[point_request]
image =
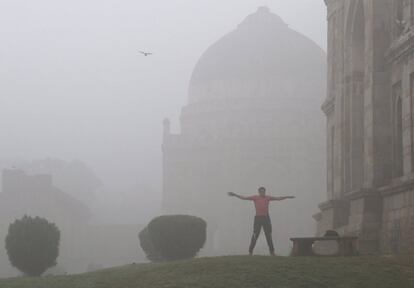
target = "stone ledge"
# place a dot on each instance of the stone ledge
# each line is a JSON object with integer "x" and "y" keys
{"x": 400, "y": 185}
{"x": 361, "y": 193}
{"x": 327, "y": 205}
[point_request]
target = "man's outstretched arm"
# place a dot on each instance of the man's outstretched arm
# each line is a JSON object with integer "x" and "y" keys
{"x": 232, "y": 194}
{"x": 281, "y": 198}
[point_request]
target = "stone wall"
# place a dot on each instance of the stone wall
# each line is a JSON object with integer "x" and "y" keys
{"x": 398, "y": 223}
{"x": 356, "y": 216}
{"x": 370, "y": 121}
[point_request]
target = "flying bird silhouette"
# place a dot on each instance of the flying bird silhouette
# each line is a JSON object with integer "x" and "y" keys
{"x": 145, "y": 53}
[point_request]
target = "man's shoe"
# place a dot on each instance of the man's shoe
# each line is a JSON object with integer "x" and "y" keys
{"x": 272, "y": 253}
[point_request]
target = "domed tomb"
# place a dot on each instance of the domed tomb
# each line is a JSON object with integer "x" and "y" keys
{"x": 263, "y": 57}
{"x": 263, "y": 65}
{"x": 253, "y": 119}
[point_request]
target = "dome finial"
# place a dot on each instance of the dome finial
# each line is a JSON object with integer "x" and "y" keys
{"x": 263, "y": 9}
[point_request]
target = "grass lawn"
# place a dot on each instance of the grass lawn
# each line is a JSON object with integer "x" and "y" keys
{"x": 239, "y": 272}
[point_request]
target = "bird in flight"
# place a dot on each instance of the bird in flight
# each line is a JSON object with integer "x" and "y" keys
{"x": 145, "y": 53}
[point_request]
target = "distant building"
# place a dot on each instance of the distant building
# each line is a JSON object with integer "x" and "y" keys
{"x": 370, "y": 129}
{"x": 253, "y": 119}
{"x": 82, "y": 244}
{"x": 35, "y": 195}
{"x": 74, "y": 177}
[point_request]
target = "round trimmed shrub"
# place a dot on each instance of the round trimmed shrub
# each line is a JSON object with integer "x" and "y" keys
{"x": 146, "y": 244}
{"x": 177, "y": 237}
{"x": 32, "y": 245}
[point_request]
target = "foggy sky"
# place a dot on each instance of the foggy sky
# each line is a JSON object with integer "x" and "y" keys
{"x": 73, "y": 86}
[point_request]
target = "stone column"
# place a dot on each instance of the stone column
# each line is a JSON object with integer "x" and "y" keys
{"x": 381, "y": 95}
{"x": 369, "y": 95}
{"x": 366, "y": 206}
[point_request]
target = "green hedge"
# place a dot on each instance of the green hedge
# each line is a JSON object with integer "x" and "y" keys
{"x": 173, "y": 237}
{"x": 146, "y": 245}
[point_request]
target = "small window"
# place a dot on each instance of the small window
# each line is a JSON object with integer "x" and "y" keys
{"x": 398, "y": 132}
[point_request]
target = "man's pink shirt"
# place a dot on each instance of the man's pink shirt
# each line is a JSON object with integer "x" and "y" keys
{"x": 261, "y": 204}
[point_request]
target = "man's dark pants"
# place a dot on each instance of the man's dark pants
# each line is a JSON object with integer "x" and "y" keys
{"x": 259, "y": 222}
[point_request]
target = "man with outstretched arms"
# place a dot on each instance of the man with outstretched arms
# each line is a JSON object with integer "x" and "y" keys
{"x": 262, "y": 219}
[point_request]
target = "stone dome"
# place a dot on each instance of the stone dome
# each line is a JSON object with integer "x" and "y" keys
{"x": 263, "y": 57}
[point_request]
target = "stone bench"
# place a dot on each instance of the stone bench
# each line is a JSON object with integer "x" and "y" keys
{"x": 347, "y": 246}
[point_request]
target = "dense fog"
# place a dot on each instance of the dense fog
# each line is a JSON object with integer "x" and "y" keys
{"x": 79, "y": 102}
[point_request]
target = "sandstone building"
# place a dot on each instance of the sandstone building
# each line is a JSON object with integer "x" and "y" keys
{"x": 370, "y": 123}
{"x": 253, "y": 119}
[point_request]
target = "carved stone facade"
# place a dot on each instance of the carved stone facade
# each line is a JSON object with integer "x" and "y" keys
{"x": 253, "y": 119}
{"x": 370, "y": 124}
